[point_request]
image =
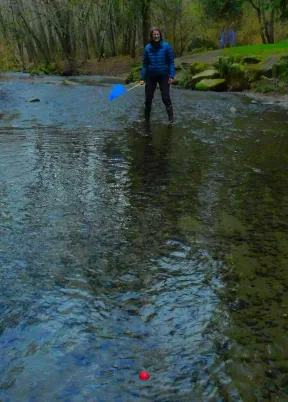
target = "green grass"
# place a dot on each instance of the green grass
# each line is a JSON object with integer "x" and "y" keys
{"x": 257, "y": 50}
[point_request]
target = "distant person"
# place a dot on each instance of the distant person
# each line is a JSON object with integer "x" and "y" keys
{"x": 232, "y": 38}
{"x": 222, "y": 40}
{"x": 158, "y": 67}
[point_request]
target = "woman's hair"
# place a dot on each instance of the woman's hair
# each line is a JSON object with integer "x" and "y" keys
{"x": 155, "y": 29}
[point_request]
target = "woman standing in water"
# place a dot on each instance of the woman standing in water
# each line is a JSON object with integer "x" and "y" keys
{"x": 158, "y": 67}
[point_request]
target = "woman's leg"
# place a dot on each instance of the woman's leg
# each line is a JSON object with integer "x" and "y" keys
{"x": 165, "y": 93}
{"x": 150, "y": 87}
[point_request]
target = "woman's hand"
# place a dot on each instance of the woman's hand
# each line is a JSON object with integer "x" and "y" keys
{"x": 142, "y": 82}
{"x": 170, "y": 81}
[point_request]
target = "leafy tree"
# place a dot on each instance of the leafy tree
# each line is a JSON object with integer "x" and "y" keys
{"x": 266, "y": 14}
{"x": 283, "y": 7}
{"x": 223, "y": 9}
{"x": 267, "y": 11}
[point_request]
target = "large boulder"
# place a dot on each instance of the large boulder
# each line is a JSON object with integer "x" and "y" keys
{"x": 279, "y": 68}
{"x": 216, "y": 84}
{"x": 257, "y": 71}
{"x": 264, "y": 85}
{"x": 269, "y": 82}
{"x": 207, "y": 74}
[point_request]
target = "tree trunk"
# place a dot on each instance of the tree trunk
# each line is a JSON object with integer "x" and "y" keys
{"x": 262, "y": 28}
{"x": 3, "y": 25}
{"x": 174, "y": 31}
{"x": 133, "y": 43}
{"x": 266, "y": 27}
{"x": 113, "y": 36}
{"x": 272, "y": 26}
{"x": 146, "y": 21}
{"x": 20, "y": 48}
{"x": 85, "y": 46}
{"x": 36, "y": 39}
{"x": 257, "y": 7}
{"x": 269, "y": 27}
{"x": 52, "y": 43}
{"x": 101, "y": 53}
{"x": 42, "y": 30}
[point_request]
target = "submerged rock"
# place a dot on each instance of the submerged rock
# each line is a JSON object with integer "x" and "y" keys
{"x": 69, "y": 83}
{"x": 34, "y": 100}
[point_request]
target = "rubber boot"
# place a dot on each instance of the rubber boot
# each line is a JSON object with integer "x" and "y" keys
{"x": 147, "y": 113}
{"x": 170, "y": 114}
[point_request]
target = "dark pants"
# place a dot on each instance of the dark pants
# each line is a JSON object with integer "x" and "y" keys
{"x": 150, "y": 87}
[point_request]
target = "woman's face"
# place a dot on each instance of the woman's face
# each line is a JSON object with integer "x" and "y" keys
{"x": 156, "y": 36}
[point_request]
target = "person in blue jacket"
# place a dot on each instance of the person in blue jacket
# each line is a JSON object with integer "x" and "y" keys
{"x": 158, "y": 67}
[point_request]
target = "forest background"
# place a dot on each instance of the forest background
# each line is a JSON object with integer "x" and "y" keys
{"x": 67, "y": 36}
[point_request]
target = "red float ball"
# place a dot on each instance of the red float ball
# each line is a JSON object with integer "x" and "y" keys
{"x": 144, "y": 376}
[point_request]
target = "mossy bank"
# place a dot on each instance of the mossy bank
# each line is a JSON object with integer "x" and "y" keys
{"x": 229, "y": 70}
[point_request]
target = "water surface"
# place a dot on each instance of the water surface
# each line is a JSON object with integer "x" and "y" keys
{"x": 124, "y": 250}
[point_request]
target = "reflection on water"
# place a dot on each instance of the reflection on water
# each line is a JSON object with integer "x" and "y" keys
{"x": 122, "y": 251}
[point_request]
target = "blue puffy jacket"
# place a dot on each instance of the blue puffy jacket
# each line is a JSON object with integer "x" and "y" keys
{"x": 158, "y": 60}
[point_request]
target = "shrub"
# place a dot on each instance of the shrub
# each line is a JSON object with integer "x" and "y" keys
{"x": 237, "y": 79}
{"x": 200, "y": 44}
{"x": 134, "y": 75}
{"x": 33, "y": 70}
{"x": 224, "y": 64}
{"x": 47, "y": 69}
{"x": 263, "y": 89}
{"x": 7, "y": 61}
{"x": 284, "y": 77}
{"x": 57, "y": 67}
{"x": 234, "y": 72}
{"x": 185, "y": 80}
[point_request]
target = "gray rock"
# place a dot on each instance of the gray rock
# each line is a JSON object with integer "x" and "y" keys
{"x": 69, "y": 83}
{"x": 256, "y": 72}
{"x": 267, "y": 82}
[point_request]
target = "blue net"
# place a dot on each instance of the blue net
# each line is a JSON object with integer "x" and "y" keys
{"x": 117, "y": 90}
